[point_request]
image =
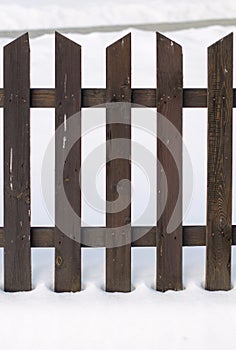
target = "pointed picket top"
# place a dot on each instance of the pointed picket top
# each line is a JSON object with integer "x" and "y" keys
{"x": 118, "y": 60}
{"x": 120, "y": 43}
{"x": 163, "y": 41}
{"x": 21, "y": 40}
{"x": 60, "y": 38}
{"x": 225, "y": 45}
{"x": 228, "y": 39}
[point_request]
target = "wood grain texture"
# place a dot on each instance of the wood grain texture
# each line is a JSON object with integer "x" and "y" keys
{"x": 17, "y": 252}
{"x": 193, "y": 236}
{"x": 68, "y": 102}
{"x": 45, "y": 98}
{"x": 219, "y": 176}
{"x": 169, "y": 104}
{"x": 118, "y": 82}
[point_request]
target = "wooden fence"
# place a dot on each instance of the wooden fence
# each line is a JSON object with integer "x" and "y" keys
{"x": 17, "y": 236}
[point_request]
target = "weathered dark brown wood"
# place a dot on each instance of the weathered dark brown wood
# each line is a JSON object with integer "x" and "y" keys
{"x": 17, "y": 252}
{"x": 45, "y": 98}
{"x": 192, "y": 98}
{"x": 93, "y": 97}
{"x": 193, "y": 236}
{"x": 195, "y": 98}
{"x": 169, "y": 104}
{"x": 42, "y": 237}
{"x": 68, "y": 102}
{"x": 118, "y": 82}
{"x": 143, "y": 97}
{"x": 219, "y": 176}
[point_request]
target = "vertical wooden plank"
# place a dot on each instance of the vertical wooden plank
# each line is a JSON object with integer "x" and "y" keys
{"x": 68, "y": 102}
{"x": 169, "y": 104}
{"x": 219, "y": 181}
{"x": 118, "y": 83}
{"x": 17, "y": 252}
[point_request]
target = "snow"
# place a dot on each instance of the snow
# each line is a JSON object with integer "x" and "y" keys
{"x": 144, "y": 318}
{"x": 93, "y": 319}
{"x": 28, "y": 14}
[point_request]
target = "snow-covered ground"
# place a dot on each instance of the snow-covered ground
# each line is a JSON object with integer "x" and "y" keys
{"x": 144, "y": 318}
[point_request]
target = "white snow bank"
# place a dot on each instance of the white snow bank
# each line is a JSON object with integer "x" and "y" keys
{"x": 28, "y": 14}
{"x": 143, "y": 319}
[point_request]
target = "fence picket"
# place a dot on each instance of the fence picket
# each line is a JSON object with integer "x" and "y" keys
{"x": 118, "y": 258}
{"x": 17, "y": 252}
{"x": 68, "y": 102}
{"x": 219, "y": 183}
{"x": 169, "y": 104}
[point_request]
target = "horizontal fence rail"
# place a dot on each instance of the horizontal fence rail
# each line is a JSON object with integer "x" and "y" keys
{"x": 17, "y": 237}
{"x": 46, "y": 98}
{"x": 193, "y": 236}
